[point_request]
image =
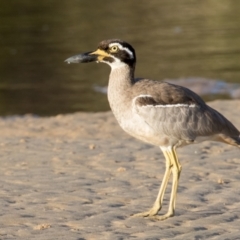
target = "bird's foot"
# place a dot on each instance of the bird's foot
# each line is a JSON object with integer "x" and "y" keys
{"x": 152, "y": 212}
{"x": 162, "y": 217}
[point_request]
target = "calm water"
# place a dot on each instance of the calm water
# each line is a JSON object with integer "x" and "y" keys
{"x": 172, "y": 38}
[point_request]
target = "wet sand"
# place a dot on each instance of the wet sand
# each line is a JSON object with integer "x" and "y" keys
{"x": 80, "y": 176}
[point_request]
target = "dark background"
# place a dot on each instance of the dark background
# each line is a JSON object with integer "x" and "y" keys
{"x": 173, "y": 39}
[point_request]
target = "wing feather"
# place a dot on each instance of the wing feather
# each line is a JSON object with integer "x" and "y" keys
{"x": 178, "y": 112}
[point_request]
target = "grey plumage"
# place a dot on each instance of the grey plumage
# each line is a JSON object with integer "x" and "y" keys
{"x": 159, "y": 113}
{"x": 194, "y": 119}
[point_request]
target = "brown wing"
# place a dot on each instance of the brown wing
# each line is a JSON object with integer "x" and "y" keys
{"x": 178, "y": 112}
{"x": 167, "y": 93}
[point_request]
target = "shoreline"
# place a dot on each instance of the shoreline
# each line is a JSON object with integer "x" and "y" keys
{"x": 79, "y": 176}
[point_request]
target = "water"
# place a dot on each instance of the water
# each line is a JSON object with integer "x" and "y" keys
{"x": 173, "y": 39}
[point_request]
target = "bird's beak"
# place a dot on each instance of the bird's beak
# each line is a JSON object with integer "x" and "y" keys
{"x": 82, "y": 58}
{"x": 95, "y": 56}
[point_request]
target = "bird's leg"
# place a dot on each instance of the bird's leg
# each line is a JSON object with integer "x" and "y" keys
{"x": 158, "y": 202}
{"x": 176, "y": 171}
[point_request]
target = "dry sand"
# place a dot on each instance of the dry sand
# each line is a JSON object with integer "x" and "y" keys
{"x": 80, "y": 176}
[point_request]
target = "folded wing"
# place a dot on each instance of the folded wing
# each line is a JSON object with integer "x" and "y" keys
{"x": 180, "y": 113}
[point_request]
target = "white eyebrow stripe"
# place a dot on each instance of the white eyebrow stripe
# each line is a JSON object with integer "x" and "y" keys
{"x": 122, "y": 48}
{"x": 161, "y": 105}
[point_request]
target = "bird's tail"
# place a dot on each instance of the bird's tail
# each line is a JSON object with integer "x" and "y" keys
{"x": 235, "y": 141}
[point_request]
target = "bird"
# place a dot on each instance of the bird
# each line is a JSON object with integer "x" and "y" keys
{"x": 159, "y": 113}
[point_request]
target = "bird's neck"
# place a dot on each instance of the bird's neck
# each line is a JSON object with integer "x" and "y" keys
{"x": 121, "y": 80}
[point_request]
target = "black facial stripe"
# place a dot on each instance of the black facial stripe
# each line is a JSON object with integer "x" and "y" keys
{"x": 125, "y": 57}
{"x": 104, "y": 45}
{"x": 108, "y": 59}
{"x": 122, "y": 54}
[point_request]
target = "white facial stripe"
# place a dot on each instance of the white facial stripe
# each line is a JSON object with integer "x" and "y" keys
{"x": 115, "y": 64}
{"x": 161, "y": 105}
{"x": 122, "y": 48}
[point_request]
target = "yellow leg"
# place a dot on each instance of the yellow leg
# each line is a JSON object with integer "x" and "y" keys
{"x": 176, "y": 171}
{"x": 172, "y": 165}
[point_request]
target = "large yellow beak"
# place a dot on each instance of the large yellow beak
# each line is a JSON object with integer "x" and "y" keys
{"x": 95, "y": 56}
{"x": 100, "y": 54}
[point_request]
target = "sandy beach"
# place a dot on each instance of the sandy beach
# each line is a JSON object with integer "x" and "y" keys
{"x": 79, "y": 176}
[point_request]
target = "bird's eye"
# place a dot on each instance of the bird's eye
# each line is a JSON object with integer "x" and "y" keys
{"x": 114, "y": 49}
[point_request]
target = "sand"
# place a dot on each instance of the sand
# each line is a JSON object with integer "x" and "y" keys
{"x": 79, "y": 176}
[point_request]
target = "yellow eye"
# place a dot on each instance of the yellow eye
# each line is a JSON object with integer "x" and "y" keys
{"x": 114, "y": 49}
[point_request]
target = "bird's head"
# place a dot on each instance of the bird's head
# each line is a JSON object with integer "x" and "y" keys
{"x": 114, "y": 52}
